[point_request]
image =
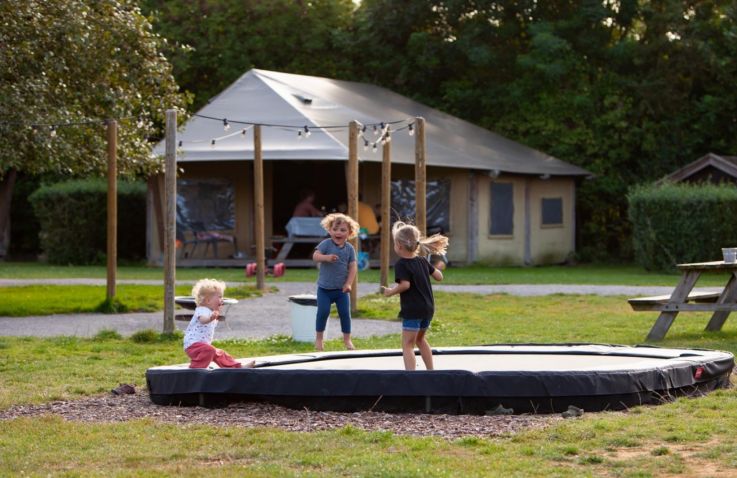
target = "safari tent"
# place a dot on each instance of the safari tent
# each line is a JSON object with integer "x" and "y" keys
{"x": 500, "y": 202}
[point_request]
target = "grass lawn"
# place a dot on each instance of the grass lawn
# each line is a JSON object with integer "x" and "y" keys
{"x": 690, "y": 437}
{"x": 476, "y": 274}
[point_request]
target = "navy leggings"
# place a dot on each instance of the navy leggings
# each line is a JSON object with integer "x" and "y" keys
{"x": 325, "y": 297}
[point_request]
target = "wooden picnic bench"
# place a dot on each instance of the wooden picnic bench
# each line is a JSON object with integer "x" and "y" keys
{"x": 684, "y": 299}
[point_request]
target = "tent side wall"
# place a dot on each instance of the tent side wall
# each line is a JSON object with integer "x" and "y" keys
{"x": 530, "y": 242}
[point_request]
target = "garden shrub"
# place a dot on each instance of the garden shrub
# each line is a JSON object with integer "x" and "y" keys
{"x": 681, "y": 223}
{"x": 73, "y": 218}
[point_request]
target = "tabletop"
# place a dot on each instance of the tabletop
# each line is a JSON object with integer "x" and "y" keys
{"x": 708, "y": 266}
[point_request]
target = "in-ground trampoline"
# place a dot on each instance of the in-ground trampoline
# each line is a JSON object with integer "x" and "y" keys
{"x": 527, "y": 378}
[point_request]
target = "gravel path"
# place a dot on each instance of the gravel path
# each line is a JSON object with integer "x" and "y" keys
{"x": 264, "y": 316}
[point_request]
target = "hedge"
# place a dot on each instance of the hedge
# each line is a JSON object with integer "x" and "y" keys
{"x": 681, "y": 223}
{"x": 73, "y": 218}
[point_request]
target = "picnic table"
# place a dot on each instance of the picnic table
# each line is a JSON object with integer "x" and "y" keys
{"x": 685, "y": 299}
{"x": 300, "y": 230}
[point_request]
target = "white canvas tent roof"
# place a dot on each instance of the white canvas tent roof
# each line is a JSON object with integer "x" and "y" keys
{"x": 272, "y": 98}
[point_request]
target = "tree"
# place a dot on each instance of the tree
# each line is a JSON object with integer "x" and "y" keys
{"x": 65, "y": 66}
{"x": 220, "y": 40}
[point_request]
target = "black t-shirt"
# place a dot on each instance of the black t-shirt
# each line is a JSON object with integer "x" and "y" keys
{"x": 417, "y": 302}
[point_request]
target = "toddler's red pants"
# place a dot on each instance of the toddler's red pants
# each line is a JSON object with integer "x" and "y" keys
{"x": 201, "y": 354}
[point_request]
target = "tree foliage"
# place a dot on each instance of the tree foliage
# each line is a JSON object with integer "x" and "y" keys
{"x": 215, "y": 41}
{"x": 79, "y": 61}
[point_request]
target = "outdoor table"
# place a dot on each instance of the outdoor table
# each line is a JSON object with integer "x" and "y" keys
{"x": 300, "y": 230}
{"x": 724, "y": 303}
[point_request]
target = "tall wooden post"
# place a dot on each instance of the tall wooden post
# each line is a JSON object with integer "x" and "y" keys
{"x": 352, "y": 187}
{"x": 170, "y": 224}
{"x": 420, "y": 177}
{"x": 258, "y": 200}
{"x": 112, "y": 206}
{"x": 386, "y": 221}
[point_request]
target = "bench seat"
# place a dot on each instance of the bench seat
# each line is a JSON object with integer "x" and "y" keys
{"x": 655, "y": 302}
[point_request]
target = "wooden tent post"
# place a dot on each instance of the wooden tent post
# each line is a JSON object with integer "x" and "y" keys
{"x": 352, "y": 187}
{"x": 258, "y": 200}
{"x": 420, "y": 177}
{"x": 386, "y": 224}
{"x": 170, "y": 224}
{"x": 112, "y": 207}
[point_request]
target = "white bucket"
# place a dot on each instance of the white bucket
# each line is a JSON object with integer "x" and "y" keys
{"x": 730, "y": 254}
{"x": 304, "y": 311}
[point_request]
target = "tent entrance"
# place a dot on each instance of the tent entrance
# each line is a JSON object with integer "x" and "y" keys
{"x": 292, "y": 178}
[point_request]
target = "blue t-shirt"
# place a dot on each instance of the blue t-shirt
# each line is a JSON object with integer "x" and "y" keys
{"x": 334, "y": 274}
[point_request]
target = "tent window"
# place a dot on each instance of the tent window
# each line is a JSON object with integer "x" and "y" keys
{"x": 438, "y": 203}
{"x": 206, "y": 204}
{"x": 502, "y": 209}
{"x": 552, "y": 211}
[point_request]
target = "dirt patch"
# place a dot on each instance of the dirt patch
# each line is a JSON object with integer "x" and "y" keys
{"x": 121, "y": 408}
{"x": 691, "y": 454}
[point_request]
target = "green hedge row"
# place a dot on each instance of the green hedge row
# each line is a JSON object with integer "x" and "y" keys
{"x": 681, "y": 223}
{"x": 73, "y": 218}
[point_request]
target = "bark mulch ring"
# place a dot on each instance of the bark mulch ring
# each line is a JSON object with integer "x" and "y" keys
{"x": 123, "y": 407}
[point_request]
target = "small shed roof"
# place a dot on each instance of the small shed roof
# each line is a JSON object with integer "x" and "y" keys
{"x": 725, "y": 165}
{"x": 273, "y": 98}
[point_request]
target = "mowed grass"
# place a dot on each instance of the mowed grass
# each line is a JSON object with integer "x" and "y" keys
{"x": 475, "y": 274}
{"x": 23, "y": 301}
{"x": 690, "y": 437}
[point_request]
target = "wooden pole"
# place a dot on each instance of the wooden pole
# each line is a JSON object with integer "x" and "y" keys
{"x": 170, "y": 224}
{"x": 420, "y": 177}
{"x": 386, "y": 221}
{"x": 112, "y": 206}
{"x": 258, "y": 200}
{"x": 352, "y": 187}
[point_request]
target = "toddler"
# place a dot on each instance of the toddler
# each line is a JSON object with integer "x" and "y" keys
{"x": 208, "y": 295}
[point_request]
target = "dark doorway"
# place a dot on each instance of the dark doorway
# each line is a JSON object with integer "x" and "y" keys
{"x": 325, "y": 178}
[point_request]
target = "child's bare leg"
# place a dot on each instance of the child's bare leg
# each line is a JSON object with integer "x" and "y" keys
{"x": 425, "y": 349}
{"x": 319, "y": 341}
{"x": 409, "y": 337}
{"x": 348, "y": 342}
{"x": 250, "y": 364}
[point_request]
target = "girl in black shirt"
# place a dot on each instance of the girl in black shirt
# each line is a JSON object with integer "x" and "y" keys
{"x": 412, "y": 274}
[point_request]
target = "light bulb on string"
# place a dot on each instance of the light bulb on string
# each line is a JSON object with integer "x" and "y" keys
{"x": 212, "y": 143}
{"x": 365, "y": 145}
{"x": 376, "y": 131}
{"x": 373, "y": 148}
{"x": 226, "y": 125}
{"x": 52, "y": 131}
{"x": 180, "y": 143}
{"x": 363, "y": 129}
{"x": 411, "y": 129}
{"x": 387, "y": 137}
{"x": 299, "y": 134}
{"x": 243, "y": 131}
{"x": 307, "y": 132}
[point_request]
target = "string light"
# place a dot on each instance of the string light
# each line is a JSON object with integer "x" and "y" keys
{"x": 180, "y": 143}
{"x": 376, "y": 131}
{"x": 212, "y": 144}
{"x": 307, "y": 132}
{"x": 243, "y": 131}
{"x": 299, "y": 134}
{"x": 365, "y": 144}
{"x": 52, "y": 131}
{"x": 226, "y": 125}
{"x": 373, "y": 148}
{"x": 411, "y": 129}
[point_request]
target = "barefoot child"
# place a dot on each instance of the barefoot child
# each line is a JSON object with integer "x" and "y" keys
{"x": 338, "y": 267}
{"x": 412, "y": 274}
{"x": 208, "y": 295}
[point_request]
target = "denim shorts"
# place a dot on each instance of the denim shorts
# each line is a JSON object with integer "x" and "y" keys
{"x": 415, "y": 325}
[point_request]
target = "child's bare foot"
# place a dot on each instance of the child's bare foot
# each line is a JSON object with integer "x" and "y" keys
{"x": 318, "y": 346}
{"x": 349, "y": 345}
{"x": 250, "y": 364}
